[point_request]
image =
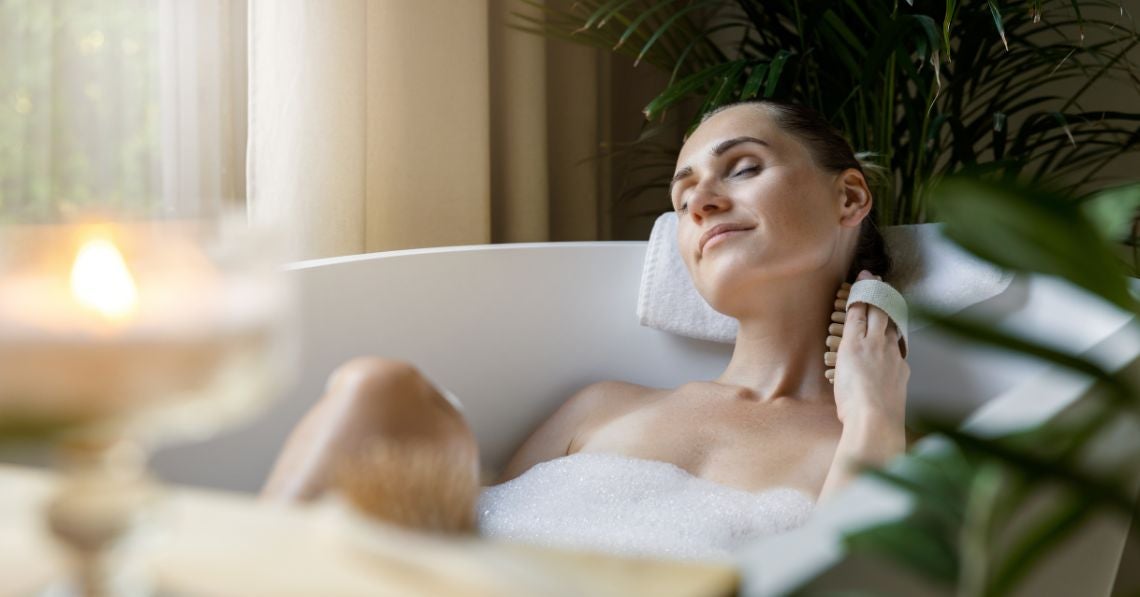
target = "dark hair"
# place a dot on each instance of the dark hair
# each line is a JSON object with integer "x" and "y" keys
{"x": 831, "y": 152}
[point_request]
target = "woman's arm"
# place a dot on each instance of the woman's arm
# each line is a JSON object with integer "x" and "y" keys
{"x": 866, "y": 440}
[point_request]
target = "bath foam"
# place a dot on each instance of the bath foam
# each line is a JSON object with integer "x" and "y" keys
{"x": 635, "y": 507}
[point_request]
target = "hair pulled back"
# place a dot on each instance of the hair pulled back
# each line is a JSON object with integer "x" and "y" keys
{"x": 831, "y": 152}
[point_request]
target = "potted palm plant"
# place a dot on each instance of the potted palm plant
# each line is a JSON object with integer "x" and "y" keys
{"x": 931, "y": 88}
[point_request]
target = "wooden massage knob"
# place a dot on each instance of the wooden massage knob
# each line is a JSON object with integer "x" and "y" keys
{"x": 835, "y": 331}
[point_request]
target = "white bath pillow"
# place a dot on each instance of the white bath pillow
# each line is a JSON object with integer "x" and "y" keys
{"x": 926, "y": 268}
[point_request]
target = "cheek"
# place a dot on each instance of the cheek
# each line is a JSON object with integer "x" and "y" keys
{"x": 803, "y": 230}
{"x": 686, "y": 246}
{"x": 811, "y": 215}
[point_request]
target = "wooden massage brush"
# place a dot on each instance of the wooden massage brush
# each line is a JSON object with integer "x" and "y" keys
{"x": 835, "y": 331}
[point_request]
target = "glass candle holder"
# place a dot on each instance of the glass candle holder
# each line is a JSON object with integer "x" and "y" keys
{"x": 116, "y": 336}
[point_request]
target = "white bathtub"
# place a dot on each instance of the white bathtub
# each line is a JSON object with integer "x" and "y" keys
{"x": 513, "y": 330}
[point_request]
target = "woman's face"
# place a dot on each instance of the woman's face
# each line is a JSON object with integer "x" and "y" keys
{"x": 753, "y": 207}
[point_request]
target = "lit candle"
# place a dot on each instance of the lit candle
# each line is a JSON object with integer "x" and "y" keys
{"x": 101, "y": 281}
{"x": 104, "y": 324}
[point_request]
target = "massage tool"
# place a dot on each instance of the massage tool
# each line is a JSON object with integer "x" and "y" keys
{"x": 835, "y": 331}
{"x": 872, "y": 291}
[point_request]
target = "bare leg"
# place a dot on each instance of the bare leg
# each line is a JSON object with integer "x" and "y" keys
{"x": 365, "y": 399}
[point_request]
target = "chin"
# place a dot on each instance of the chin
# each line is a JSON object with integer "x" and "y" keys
{"x": 728, "y": 280}
{"x": 721, "y": 281}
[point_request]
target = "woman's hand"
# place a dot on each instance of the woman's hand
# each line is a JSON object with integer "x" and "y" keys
{"x": 870, "y": 394}
{"x": 870, "y": 373}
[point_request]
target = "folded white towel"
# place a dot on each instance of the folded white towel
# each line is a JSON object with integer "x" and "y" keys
{"x": 927, "y": 270}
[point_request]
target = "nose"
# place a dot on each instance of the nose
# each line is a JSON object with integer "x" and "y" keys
{"x": 706, "y": 201}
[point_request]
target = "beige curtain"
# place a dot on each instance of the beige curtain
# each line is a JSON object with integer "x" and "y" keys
{"x": 387, "y": 124}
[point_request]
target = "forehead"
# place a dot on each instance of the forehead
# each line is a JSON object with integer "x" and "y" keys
{"x": 737, "y": 121}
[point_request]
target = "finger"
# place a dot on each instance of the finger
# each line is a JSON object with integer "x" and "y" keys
{"x": 894, "y": 336}
{"x": 886, "y": 317}
{"x": 854, "y": 321}
{"x": 833, "y": 342}
{"x": 877, "y": 320}
{"x": 835, "y": 329}
{"x": 829, "y": 358}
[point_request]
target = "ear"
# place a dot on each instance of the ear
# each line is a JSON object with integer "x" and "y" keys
{"x": 853, "y": 196}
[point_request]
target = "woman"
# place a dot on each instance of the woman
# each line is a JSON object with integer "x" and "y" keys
{"x": 773, "y": 216}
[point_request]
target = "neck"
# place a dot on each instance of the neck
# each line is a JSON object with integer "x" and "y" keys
{"x": 779, "y": 349}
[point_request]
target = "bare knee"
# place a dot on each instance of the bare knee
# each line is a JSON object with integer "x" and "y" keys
{"x": 375, "y": 376}
{"x": 389, "y": 396}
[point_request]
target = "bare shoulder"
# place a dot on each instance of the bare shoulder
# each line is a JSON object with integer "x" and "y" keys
{"x": 606, "y": 396}
{"x": 600, "y": 402}
{"x": 591, "y": 406}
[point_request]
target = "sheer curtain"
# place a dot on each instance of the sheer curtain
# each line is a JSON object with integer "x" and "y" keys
{"x": 203, "y": 77}
{"x": 387, "y": 124}
{"x": 121, "y": 104}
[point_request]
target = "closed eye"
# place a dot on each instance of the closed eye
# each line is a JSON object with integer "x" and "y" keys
{"x": 747, "y": 170}
{"x": 684, "y": 204}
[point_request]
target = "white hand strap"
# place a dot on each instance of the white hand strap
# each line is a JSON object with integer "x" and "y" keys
{"x": 885, "y": 297}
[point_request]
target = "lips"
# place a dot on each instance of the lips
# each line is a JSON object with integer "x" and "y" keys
{"x": 718, "y": 230}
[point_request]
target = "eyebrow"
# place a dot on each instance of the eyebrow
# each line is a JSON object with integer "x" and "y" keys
{"x": 717, "y": 151}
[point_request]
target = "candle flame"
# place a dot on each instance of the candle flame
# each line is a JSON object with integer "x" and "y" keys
{"x": 100, "y": 280}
